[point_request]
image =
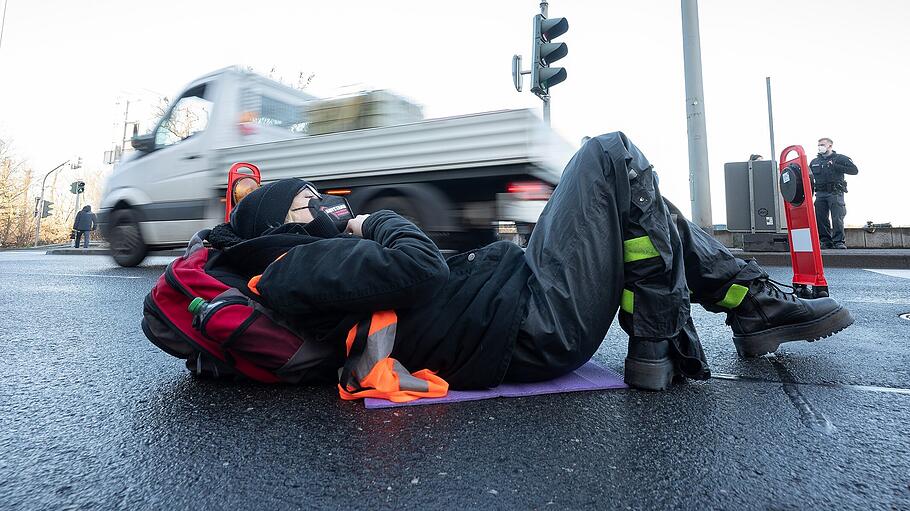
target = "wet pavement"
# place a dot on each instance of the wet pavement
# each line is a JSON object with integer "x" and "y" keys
{"x": 92, "y": 416}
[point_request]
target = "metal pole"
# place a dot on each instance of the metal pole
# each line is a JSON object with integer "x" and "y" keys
{"x": 699, "y": 180}
{"x": 76, "y": 212}
{"x": 126, "y": 116}
{"x": 778, "y": 203}
{"x": 41, "y": 202}
{"x": 544, "y": 11}
{"x": 3, "y": 21}
{"x": 770, "y": 119}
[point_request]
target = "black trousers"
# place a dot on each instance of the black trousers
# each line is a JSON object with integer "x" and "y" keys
{"x": 607, "y": 240}
{"x": 84, "y": 235}
{"x": 833, "y": 204}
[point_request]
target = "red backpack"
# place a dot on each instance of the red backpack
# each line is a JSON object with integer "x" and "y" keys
{"x": 219, "y": 331}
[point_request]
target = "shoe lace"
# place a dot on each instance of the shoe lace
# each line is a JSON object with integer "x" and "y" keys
{"x": 773, "y": 288}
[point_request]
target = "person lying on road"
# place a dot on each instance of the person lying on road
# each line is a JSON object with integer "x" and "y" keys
{"x": 607, "y": 241}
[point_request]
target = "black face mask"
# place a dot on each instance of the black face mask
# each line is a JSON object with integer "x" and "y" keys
{"x": 336, "y": 208}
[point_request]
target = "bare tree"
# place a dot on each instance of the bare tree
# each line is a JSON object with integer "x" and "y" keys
{"x": 15, "y": 211}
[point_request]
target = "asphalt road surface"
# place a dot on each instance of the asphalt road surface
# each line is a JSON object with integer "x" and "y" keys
{"x": 93, "y": 416}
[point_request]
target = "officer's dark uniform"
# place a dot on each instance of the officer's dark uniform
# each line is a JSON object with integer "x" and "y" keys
{"x": 830, "y": 187}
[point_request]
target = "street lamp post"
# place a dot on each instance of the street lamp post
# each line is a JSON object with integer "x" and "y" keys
{"x": 699, "y": 180}
{"x": 41, "y": 201}
{"x": 41, "y": 197}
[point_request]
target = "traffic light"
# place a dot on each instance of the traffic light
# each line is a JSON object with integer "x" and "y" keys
{"x": 73, "y": 187}
{"x": 46, "y": 210}
{"x": 544, "y": 52}
{"x": 80, "y": 186}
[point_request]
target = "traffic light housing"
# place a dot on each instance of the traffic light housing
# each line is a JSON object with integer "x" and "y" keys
{"x": 80, "y": 186}
{"x": 47, "y": 209}
{"x": 544, "y": 52}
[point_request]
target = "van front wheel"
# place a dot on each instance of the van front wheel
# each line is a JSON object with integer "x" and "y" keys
{"x": 127, "y": 246}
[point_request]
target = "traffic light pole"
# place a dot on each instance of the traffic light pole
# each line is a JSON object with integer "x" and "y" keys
{"x": 544, "y": 51}
{"x": 41, "y": 201}
{"x": 544, "y": 8}
{"x": 76, "y": 211}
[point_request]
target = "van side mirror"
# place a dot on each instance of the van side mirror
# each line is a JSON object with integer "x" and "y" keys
{"x": 143, "y": 143}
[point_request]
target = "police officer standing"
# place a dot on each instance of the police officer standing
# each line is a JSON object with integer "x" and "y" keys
{"x": 828, "y": 169}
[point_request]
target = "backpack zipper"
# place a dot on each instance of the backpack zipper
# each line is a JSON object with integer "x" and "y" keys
{"x": 171, "y": 279}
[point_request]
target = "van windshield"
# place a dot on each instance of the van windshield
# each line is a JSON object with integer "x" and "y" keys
{"x": 189, "y": 116}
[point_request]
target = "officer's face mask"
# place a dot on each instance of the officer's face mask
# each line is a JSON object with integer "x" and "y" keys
{"x": 822, "y": 149}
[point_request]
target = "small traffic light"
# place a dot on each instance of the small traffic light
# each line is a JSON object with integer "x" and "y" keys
{"x": 544, "y": 52}
{"x": 47, "y": 209}
{"x": 80, "y": 186}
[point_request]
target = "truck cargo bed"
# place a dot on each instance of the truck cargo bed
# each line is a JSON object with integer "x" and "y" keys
{"x": 468, "y": 143}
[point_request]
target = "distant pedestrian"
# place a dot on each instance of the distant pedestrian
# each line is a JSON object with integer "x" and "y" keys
{"x": 756, "y": 157}
{"x": 828, "y": 169}
{"x": 84, "y": 224}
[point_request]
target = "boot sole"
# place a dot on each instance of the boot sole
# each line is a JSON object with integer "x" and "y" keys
{"x": 767, "y": 341}
{"x": 649, "y": 375}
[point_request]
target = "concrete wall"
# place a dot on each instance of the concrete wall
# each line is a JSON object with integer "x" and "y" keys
{"x": 895, "y": 237}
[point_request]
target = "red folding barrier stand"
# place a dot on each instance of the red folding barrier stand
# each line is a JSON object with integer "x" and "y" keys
{"x": 802, "y": 229}
{"x": 234, "y": 175}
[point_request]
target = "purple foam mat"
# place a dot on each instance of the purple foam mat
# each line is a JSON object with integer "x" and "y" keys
{"x": 591, "y": 376}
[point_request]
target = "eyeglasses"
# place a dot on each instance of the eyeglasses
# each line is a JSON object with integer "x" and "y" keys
{"x": 314, "y": 192}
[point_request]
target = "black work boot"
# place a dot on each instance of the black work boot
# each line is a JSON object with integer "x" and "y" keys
{"x": 768, "y": 317}
{"x": 648, "y": 364}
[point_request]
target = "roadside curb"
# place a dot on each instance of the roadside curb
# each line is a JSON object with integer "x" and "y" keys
{"x": 859, "y": 258}
{"x": 39, "y": 247}
{"x": 107, "y": 251}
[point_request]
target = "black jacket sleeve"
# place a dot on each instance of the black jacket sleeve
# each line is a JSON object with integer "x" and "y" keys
{"x": 394, "y": 266}
{"x": 844, "y": 165}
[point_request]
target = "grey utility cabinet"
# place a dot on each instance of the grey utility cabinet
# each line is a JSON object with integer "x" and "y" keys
{"x": 754, "y": 204}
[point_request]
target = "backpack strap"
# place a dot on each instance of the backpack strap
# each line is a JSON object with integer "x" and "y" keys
{"x": 196, "y": 242}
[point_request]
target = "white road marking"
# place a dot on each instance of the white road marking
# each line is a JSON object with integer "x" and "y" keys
{"x": 902, "y": 274}
{"x": 76, "y": 275}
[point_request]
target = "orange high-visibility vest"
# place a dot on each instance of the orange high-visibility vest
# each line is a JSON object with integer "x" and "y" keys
{"x": 369, "y": 371}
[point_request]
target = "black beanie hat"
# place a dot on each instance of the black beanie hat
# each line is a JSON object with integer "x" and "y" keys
{"x": 265, "y": 208}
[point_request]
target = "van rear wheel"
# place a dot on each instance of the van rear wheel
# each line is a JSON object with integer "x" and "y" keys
{"x": 127, "y": 246}
{"x": 398, "y": 204}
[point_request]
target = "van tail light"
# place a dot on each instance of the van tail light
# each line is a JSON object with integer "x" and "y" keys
{"x": 530, "y": 190}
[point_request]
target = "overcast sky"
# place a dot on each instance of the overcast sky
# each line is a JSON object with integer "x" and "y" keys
{"x": 839, "y": 69}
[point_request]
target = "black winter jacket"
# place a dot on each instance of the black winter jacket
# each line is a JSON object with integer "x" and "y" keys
{"x": 458, "y": 317}
{"x": 830, "y": 170}
{"x": 85, "y": 220}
